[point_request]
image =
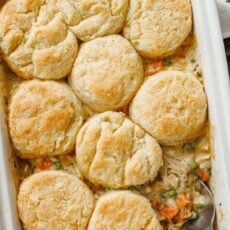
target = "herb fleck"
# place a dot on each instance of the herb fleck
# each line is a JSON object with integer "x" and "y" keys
{"x": 168, "y": 60}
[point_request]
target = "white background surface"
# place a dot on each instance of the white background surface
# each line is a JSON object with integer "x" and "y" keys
{"x": 224, "y": 13}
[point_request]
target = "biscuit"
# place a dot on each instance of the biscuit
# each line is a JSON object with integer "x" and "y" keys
{"x": 100, "y": 17}
{"x": 107, "y": 73}
{"x": 36, "y": 40}
{"x": 44, "y": 119}
{"x": 54, "y": 200}
{"x": 123, "y": 210}
{"x": 171, "y": 106}
{"x": 157, "y": 28}
{"x": 114, "y": 152}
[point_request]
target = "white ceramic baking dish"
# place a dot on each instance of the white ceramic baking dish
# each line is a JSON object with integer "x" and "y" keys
{"x": 208, "y": 32}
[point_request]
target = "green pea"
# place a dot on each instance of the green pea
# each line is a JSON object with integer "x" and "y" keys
{"x": 56, "y": 164}
{"x": 199, "y": 206}
{"x": 195, "y": 178}
{"x": 193, "y": 164}
{"x": 169, "y": 193}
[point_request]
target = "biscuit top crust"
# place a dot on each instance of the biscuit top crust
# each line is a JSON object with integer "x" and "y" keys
{"x": 54, "y": 200}
{"x": 171, "y": 106}
{"x": 36, "y": 38}
{"x": 99, "y": 17}
{"x": 44, "y": 119}
{"x": 123, "y": 210}
{"x": 107, "y": 73}
{"x": 114, "y": 152}
{"x": 157, "y": 27}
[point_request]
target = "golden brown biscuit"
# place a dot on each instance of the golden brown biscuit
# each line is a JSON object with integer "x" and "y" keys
{"x": 36, "y": 39}
{"x": 123, "y": 210}
{"x": 54, "y": 200}
{"x": 158, "y": 27}
{"x": 114, "y": 152}
{"x": 44, "y": 119}
{"x": 99, "y": 17}
{"x": 107, "y": 73}
{"x": 171, "y": 106}
{"x": 39, "y": 37}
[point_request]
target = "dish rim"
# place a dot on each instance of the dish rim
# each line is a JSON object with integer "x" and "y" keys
{"x": 214, "y": 66}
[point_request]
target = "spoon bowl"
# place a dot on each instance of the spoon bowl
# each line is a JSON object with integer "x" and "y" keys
{"x": 206, "y": 216}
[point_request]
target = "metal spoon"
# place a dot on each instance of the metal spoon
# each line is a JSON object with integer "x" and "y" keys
{"x": 206, "y": 216}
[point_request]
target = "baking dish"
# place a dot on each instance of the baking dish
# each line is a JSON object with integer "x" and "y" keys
{"x": 214, "y": 66}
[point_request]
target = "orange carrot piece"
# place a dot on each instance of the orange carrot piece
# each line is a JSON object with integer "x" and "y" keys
{"x": 154, "y": 66}
{"x": 181, "y": 56}
{"x": 73, "y": 154}
{"x": 154, "y": 202}
{"x": 182, "y": 201}
{"x": 124, "y": 110}
{"x": 204, "y": 176}
{"x": 95, "y": 188}
{"x": 168, "y": 212}
{"x": 45, "y": 165}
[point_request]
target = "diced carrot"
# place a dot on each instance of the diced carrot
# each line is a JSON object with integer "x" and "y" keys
{"x": 182, "y": 201}
{"x": 158, "y": 65}
{"x": 181, "y": 55}
{"x": 45, "y": 165}
{"x": 154, "y": 66}
{"x": 124, "y": 110}
{"x": 168, "y": 212}
{"x": 95, "y": 188}
{"x": 154, "y": 202}
{"x": 204, "y": 176}
{"x": 73, "y": 154}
